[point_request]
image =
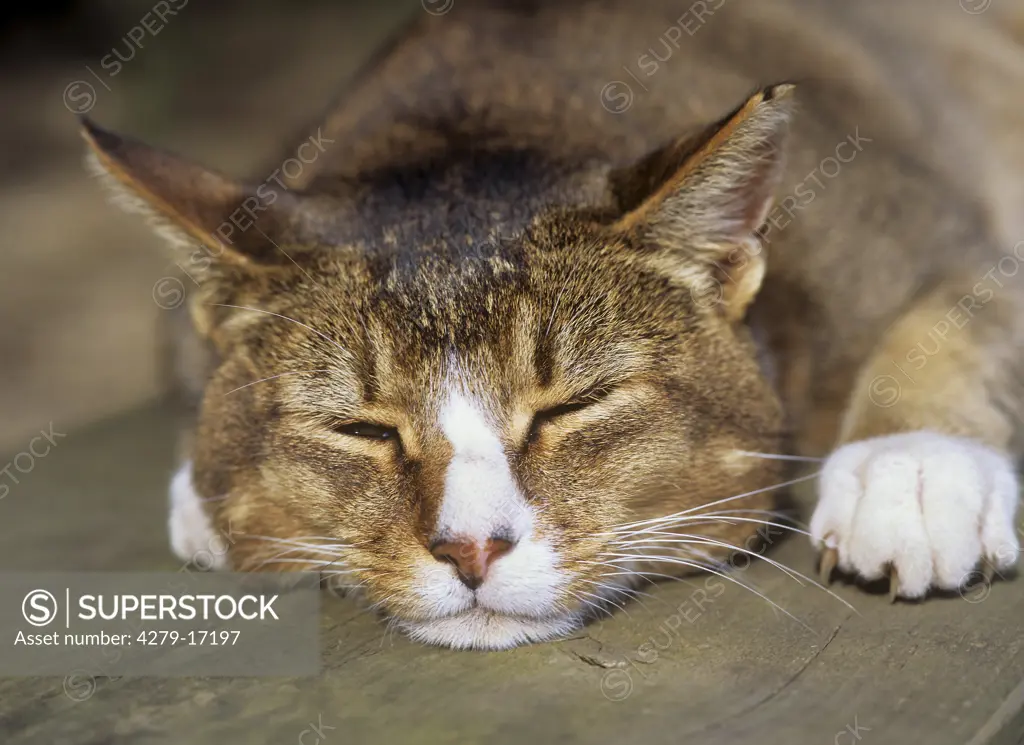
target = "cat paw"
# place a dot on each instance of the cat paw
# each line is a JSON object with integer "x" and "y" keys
{"x": 191, "y": 533}
{"x": 925, "y": 508}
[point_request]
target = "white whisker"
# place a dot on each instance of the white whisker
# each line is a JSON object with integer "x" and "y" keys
{"x": 776, "y": 456}
{"x": 585, "y": 603}
{"x": 645, "y": 575}
{"x": 314, "y": 564}
{"x": 278, "y": 315}
{"x": 711, "y": 519}
{"x": 798, "y": 577}
{"x": 696, "y": 565}
{"x": 274, "y": 377}
{"x": 301, "y": 542}
{"x": 639, "y": 523}
{"x": 602, "y": 601}
{"x": 629, "y": 591}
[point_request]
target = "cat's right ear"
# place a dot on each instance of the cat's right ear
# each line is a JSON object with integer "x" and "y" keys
{"x": 210, "y": 220}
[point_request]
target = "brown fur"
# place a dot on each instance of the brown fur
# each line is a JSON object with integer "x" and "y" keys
{"x": 479, "y": 203}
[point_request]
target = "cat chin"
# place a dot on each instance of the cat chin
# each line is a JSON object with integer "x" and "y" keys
{"x": 482, "y": 629}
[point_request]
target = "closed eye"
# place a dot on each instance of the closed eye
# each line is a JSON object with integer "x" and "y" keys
{"x": 367, "y": 431}
{"x": 577, "y": 403}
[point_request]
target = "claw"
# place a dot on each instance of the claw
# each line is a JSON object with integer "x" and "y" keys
{"x": 894, "y": 585}
{"x": 829, "y": 558}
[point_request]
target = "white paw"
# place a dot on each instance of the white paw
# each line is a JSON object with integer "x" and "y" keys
{"x": 192, "y": 536}
{"x": 930, "y": 506}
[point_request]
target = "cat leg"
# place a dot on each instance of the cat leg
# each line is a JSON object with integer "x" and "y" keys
{"x": 923, "y": 485}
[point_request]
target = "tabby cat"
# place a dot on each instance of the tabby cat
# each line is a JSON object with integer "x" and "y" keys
{"x": 556, "y": 282}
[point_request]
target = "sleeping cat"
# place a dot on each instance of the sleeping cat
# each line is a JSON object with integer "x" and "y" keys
{"x": 562, "y": 279}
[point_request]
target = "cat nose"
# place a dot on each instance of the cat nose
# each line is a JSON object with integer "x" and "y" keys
{"x": 470, "y": 558}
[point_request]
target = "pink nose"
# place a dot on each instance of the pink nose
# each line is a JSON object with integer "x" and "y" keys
{"x": 470, "y": 558}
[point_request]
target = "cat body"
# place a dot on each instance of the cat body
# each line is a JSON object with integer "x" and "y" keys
{"x": 512, "y": 341}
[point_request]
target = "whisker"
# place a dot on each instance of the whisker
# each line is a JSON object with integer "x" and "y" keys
{"x": 690, "y": 511}
{"x": 631, "y": 592}
{"x": 382, "y": 601}
{"x": 326, "y": 556}
{"x": 294, "y": 538}
{"x": 301, "y": 541}
{"x": 644, "y": 575}
{"x": 602, "y": 601}
{"x": 684, "y": 562}
{"x": 620, "y": 588}
{"x": 278, "y": 315}
{"x": 712, "y": 519}
{"x": 776, "y": 456}
{"x": 588, "y": 603}
{"x": 276, "y": 560}
{"x": 798, "y": 577}
{"x": 333, "y": 552}
{"x": 298, "y": 549}
{"x": 316, "y": 565}
{"x": 333, "y": 574}
{"x": 688, "y": 539}
{"x": 388, "y": 627}
{"x": 274, "y": 377}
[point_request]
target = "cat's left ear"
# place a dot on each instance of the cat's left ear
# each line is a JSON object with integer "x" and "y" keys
{"x": 699, "y": 202}
{"x": 210, "y": 220}
{"x": 228, "y": 237}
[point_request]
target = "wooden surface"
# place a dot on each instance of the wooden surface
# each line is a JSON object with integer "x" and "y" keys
{"x": 677, "y": 669}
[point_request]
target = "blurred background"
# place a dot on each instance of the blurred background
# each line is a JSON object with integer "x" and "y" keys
{"x": 231, "y": 84}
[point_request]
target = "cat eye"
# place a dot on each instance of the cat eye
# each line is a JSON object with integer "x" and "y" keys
{"x": 368, "y": 431}
{"x": 578, "y": 403}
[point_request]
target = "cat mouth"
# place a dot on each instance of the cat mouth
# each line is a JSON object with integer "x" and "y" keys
{"x": 480, "y": 628}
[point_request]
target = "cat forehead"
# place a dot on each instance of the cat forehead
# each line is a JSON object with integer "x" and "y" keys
{"x": 510, "y": 293}
{"x": 504, "y": 320}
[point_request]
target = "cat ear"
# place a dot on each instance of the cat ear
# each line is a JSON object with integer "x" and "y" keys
{"x": 702, "y": 199}
{"x": 209, "y": 219}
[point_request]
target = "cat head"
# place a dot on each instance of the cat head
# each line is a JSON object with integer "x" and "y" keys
{"x": 489, "y": 437}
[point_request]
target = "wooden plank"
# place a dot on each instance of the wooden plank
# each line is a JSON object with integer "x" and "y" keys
{"x": 699, "y": 662}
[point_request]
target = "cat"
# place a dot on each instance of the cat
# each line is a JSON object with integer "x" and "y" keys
{"x": 554, "y": 284}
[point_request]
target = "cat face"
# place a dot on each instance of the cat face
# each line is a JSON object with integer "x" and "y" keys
{"x": 483, "y": 439}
